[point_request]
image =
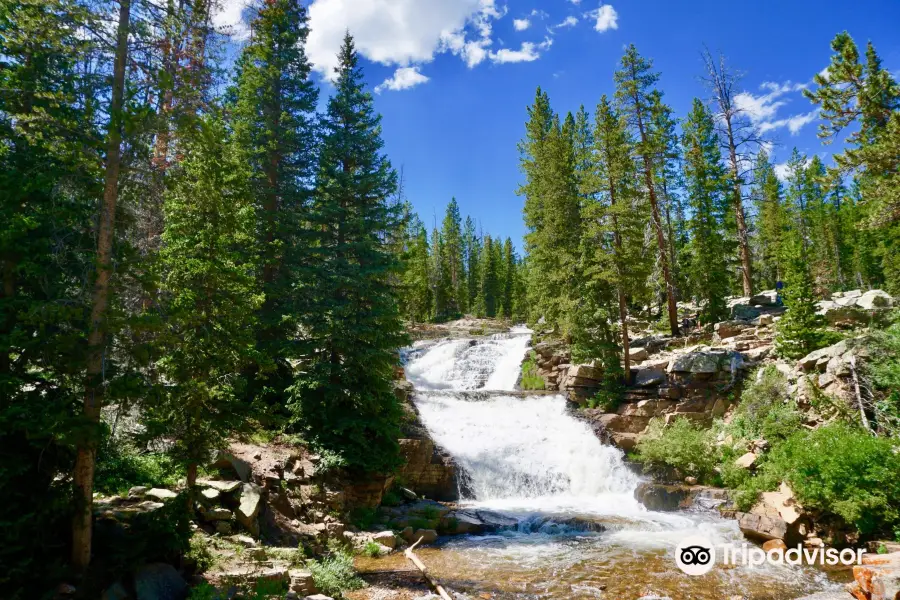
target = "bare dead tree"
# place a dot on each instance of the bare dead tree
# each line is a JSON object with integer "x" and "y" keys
{"x": 740, "y": 140}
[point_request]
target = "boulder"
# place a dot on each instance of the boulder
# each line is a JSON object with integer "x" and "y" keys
{"x": 761, "y": 527}
{"x": 659, "y": 497}
{"x": 225, "y": 459}
{"x": 248, "y": 509}
{"x": 765, "y": 320}
{"x": 774, "y": 545}
{"x": 301, "y": 582}
{"x": 428, "y": 536}
{"x": 878, "y": 577}
{"x": 638, "y": 354}
{"x": 589, "y": 372}
{"x": 746, "y": 461}
{"x": 727, "y": 329}
{"x": 161, "y": 494}
{"x": 138, "y": 490}
{"x": 495, "y": 521}
{"x": 766, "y": 298}
{"x": 210, "y": 494}
{"x": 385, "y": 538}
{"x": 217, "y": 513}
{"x": 226, "y": 487}
{"x": 698, "y": 361}
{"x": 467, "y": 522}
{"x": 813, "y": 358}
{"x": 648, "y": 377}
{"x": 159, "y": 581}
{"x": 875, "y": 299}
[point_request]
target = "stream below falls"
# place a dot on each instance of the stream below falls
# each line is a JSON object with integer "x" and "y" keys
{"x": 528, "y": 458}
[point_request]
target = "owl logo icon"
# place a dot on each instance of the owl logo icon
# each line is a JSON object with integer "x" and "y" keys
{"x": 695, "y": 555}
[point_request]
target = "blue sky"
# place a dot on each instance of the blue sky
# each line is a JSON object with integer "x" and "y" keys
{"x": 455, "y": 76}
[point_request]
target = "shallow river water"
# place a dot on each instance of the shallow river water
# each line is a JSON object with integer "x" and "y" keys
{"x": 528, "y": 458}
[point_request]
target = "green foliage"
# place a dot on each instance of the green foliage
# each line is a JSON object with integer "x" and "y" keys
{"x": 844, "y": 470}
{"x": 344, "y": 403}
{"x": 682, "y": 445}
{"x": 120, "y": 466}
{"x": 766, "y": 410}
{"x": 530, "y": 378}
{"x": 392, "y": 497}
{"x": 203, "y": 591}
{"x": 372, "y": 549}
{"x": 335, "y": 574}
{"x": 363, "y": 517}
{"x": 199, "y": 553}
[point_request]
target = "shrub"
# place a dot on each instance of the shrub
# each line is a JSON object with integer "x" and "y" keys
{"x": 392, "y": 497}
{"x": 203, "y": 591}
{"x": 765, "y": 410}
{"x": 843, "y": 470}
{"x": 372, "y": 549}
{"x": 682, "y": 446}
{"x": 200, "y": 554}
{"x": 121, "y": 466}
{"x": 530, "y": 378}
{"x": 335, "y": 574}
{"x": 363, "y": 517}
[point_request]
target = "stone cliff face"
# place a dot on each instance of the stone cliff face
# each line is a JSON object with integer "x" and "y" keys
{"x": 429, "y": 471}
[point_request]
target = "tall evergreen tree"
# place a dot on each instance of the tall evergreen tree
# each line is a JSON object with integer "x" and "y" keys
{"x": 345, "y": 403}
{"x": 417, "y": 298}
{"x": 799, "y": 330}
{"x": 472, "y": 244}
{"x": 635, "y": 83}
{"x": 705, "y": 178}
{"x": 208, "y": 260}
{"x": 767, "y": 196}
{"x": 452, "y": 258}
{"x": 509, "y": 279}
{"x": 273, "y": 116}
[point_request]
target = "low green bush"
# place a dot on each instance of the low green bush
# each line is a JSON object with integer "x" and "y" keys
{"x": 840, "y": 469}
{"x": 530, "y": 378}
{"x": 335, "y": 574}
{"x": 121, "y": 466}
{"x": 682, "y": 446}
{"x": 363, "y": 517}
{"x": 765, "y": 410}
{"x": 372, "y": 549}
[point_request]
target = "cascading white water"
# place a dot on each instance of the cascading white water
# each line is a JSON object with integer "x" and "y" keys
{"x": 516, "y": 452}
{"x": 529, "y": 458}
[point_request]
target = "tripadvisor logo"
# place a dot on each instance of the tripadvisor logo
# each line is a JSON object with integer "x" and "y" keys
{"x": 696, "y": 555}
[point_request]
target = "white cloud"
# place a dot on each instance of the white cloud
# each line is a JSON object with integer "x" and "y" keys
{"x": 607, "y": 18}
{"x": 540, "y": 14}
{"x": 763, "y": 107}
{"x": 527, "y": 53}
{"x": 575, "y": 2}
{"x": 227, "y": 16}
{"x": 521, "y": 24}
{"x": 400, "y": 32}
{"x": 567, "y": 22}
{"x": 794, "y": 124}
{"x": 403, "y": 79}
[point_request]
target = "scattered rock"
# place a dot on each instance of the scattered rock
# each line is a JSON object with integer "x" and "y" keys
{"x": 301, "y": 582}
{"x": 428, "y": 536}
{"x": 385, "y": 538}
{"x": 746, "y": 461}
{"x": 638, "y": 354}
{"x": 138, "y": 490}
{"x": 161, "y": 494}
{"x": 774, "y": 545}
{"x": 211, "y": 494}
{"x": 765, "y": 320}
{"x": 225, "y": 459}
{"x": 159, "y": 581}
{"x": 761, "y": 527}
{"x": 225, "y": 487}
{"x": 217, "y": 513}
{"x": 250, "y": 504}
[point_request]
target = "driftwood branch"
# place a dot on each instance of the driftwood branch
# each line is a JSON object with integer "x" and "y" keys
{"x": 437, "y": 587}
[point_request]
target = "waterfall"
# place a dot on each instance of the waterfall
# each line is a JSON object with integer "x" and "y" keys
{"x": 517, "y": 453}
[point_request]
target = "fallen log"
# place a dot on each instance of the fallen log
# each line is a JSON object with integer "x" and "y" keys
{"x": 437, "y": 587}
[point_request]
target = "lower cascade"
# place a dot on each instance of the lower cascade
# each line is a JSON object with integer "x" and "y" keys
{"x": 528, "y": 457}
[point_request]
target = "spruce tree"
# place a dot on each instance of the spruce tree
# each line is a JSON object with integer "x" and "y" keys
{"x": 208, "y": 262}
{"x": 417, "y": 299}
{"x": 705, "y": 178}
{"x": 273, "y": 116}
{"x": 509, "y": 279}
{"x": 452, "y": 258}
{"x": 345, "y": 403}
{"x": 473, "y": 269}
{"x": 799, "y": 331}
{"x": 635, "y": 91}
{"x": 770, "y": 222}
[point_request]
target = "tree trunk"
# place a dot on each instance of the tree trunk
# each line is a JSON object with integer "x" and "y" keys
{"x": 737, "y": 202}
{"x": 83, "y": 477}
{"x": 623, "y": 307}
{"x": 661, "y": 244}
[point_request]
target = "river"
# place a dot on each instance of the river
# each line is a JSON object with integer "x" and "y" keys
{"x": 530, "y": 459}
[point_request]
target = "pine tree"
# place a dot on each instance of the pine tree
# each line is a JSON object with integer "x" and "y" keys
{"x": 452, "y": 258}
{"x": 345, "y": 403}
{"x": 473, "y": 269}
{"x": 438, "y": 279}
{"x": 208, "y": 260}
{"x": 634, "y": 92}
{"x": 705, "y": 178}
{"x": 417, "y": 300}
{"x": 799, "y": 330}
{"x": 552, "y": 213}
{"x": 273, "y": 116}
{"x": 614, "y": 267}
{"x": 509, "y": 279}
{"x": 767, "y": 196}
{"x": 487, "y": 295}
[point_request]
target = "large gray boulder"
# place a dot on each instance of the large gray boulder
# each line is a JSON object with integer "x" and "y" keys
{"x": 249, "y": 507}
